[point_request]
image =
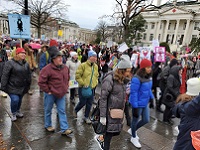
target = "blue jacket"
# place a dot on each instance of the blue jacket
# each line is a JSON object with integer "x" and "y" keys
{"x": 189, "y": 114}
{"x": 44, "y": 60}
{"x": 140, "y": 92}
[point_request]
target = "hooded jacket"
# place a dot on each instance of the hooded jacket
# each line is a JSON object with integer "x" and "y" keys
{"x": 173, "y": 86}
{"x": 189, "y": 114}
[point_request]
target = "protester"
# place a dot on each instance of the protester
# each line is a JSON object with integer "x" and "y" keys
{"x": 3, "y": 59}
{"x": 188, "y": 110}
{"x": 73, "y": 64}
{"x": 54, "y": 81}
{"x": 43, "y": 57}
{"x": 16, "y": 80}
{"x": 113, "y": 95}
{"x": 85, "y": 73}
{"x": 172, "y": 91}
{"x": 140, "y": 96}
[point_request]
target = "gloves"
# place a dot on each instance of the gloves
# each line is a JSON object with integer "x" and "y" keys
{"x": 151, "y": 104}
{"x": 103, "y": 120}
{"x": 135, "y": 112}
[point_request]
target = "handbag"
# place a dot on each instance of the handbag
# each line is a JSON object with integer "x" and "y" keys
{"x": 117, "y": 113}
{"x": 98, "y": 127}
{"x": 87, "y": 91}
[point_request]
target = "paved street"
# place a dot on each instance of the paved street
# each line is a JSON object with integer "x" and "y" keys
{"x": 28, "y": 133}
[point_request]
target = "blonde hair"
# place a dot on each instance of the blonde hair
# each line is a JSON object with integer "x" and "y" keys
{"x": 184, "y": 98}
{"x": 119, "y": 75}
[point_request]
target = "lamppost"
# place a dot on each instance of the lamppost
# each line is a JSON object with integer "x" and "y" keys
{"x": 59, "y": 29}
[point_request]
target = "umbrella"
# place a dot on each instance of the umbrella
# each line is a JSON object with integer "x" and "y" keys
{"x": 35, "y": 45}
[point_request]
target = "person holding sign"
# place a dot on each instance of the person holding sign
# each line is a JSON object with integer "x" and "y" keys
{"x": 73, "y": 64}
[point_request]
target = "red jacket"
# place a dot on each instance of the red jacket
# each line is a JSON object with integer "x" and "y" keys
{"x": 54, "y": 80}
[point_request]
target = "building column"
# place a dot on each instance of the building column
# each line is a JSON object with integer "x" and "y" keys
{"x": 186, "y": 31}
{"x": 157, "y": 29}
{"x": 176, "y": 31}
{"x": 165, "y": 32}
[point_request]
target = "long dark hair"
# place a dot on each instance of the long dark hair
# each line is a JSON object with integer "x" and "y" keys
{"x": 143, "y": 74}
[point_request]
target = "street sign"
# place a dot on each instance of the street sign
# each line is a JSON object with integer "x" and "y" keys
{"x": 19, "y": 26}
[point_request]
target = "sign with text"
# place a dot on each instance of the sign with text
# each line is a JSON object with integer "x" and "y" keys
{"x": 159, "y": 55}
{"x": 19, "y": 26}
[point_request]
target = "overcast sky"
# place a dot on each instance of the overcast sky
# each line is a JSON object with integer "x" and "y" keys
{"x": 85, "y": 13}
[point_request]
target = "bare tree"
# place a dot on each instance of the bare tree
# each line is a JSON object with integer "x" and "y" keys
{"x": 126, "y": 10}
{"x": 45, "y": 12}
{"x": 102, "y": 30}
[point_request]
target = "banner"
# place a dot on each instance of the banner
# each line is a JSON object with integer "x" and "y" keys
{"x": 122, "y": 47}
{"x": 73, "y": 84}
{"x": 160, "y": 54}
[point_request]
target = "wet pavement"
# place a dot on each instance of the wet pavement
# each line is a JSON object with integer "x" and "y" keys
{"x": 28, "y": 133}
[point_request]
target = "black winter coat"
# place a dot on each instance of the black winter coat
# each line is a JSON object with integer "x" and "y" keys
{"x": 3, "y": 59}
{"x": 16, "y": 77}
{"x": 173, "y": 86}
{"x": 112, "y": 97}
{"x": 189, "y": 114}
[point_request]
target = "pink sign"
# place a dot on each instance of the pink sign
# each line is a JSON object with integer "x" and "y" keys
{"x": 160, "y": 54}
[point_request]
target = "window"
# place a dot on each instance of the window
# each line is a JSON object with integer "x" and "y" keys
{"x": 152, "y": 25}
{"x": 175, "y": 26}
{"x": 144, "y": 36}
{"x": 151, "y": 37}
{"x": 159, "y": 36}
{"x": 196, "y": 26}
{"x": 169, "y": 26}
{"x": 184, "y": 25}
{"x": 161, "y": 25}
{"x": 146, "y": 26}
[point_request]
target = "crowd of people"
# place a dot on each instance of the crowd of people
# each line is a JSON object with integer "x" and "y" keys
{"x": 124, "y": 86}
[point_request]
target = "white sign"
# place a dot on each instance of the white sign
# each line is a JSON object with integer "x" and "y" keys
{"x": 155, "y": 43}
{"x": 145, "y": 53}
{"x": 122, "y": 47}
{"x": 109, "y": 44}
{"x": 19, "y": 26}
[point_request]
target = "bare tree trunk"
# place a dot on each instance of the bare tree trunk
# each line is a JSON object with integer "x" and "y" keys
{"x": 39, "y": 32}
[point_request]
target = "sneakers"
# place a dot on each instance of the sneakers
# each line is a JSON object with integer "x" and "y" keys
{"x": 50, "y": 129}
{"x": 67, "y": 132}
{"x": 99, "y": 141}
{"x": 87, "y": 120}
{"x": 130, "y": 132}
{"x": 19, "y": 114}
{"x": 136, "y": 142}
{"x": 13, "y": 117}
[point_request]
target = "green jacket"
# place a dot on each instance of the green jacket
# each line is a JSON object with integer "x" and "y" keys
{"x": 84, "y": 72}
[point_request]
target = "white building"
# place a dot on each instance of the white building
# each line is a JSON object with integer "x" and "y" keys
{"x": 176, "y": 23}
{"x": 4, "y": 29}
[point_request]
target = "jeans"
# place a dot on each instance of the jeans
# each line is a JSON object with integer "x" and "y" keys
{"x": 49, "y": 101}
{"x": 136, "y": 124}
{"x": 84, "y": 101}
{"x": 15, "y": 104}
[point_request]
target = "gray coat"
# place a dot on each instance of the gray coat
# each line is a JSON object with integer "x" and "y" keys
{"x": 112, "y": 97}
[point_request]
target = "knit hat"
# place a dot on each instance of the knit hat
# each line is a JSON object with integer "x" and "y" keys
{"x": 54, "y": 52}
{"x": 145, "y": 63}
{"x": 20, "y": 50}
{"x": 193, "y": 86}
{"x": 53, "y": 43}
{"x": 72, "y": 54}
{"x": 124, "y": 62}
{"x": 91, "y": 53}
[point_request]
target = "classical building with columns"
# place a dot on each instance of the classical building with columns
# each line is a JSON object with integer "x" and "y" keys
{"x": 176, "y": 23}
{"x": 4, "y": 29}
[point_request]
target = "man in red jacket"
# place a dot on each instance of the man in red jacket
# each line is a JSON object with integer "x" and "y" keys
{"x": 54, "y": 81}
